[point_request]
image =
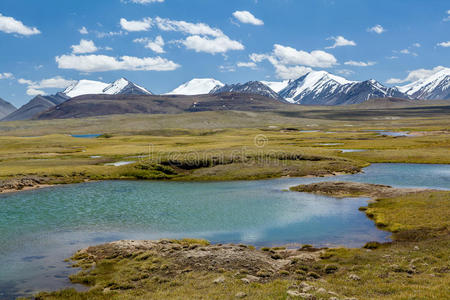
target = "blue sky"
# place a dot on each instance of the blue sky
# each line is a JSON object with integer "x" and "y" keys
{"x": 161, "y": 44}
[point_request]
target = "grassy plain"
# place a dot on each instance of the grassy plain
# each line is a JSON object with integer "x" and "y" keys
{"x": 224, "y": 145}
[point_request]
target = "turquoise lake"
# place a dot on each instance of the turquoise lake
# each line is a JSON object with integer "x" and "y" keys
{"x": 39, "y": 229}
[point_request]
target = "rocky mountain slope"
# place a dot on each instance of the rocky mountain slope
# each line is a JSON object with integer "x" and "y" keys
{"x": 6, "y": 108}
{"x": 251, "y": 87}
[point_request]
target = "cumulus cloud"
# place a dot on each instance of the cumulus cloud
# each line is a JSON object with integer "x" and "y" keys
{"x": 359, "y": 63}
{"x": 102, "y": 63}
{"x": 285, "y": 72}
{"x": 85, "y": 46}
{"x": 317, "y": 58}
{"x": 246, "y": 65}
{"x": 378, "y": 29}
{"x": 215, "y": 45}
{"x": 83, "y": 30}
{"x": 417, "y": 75}
{"x": 290, "y": 63}
{"x": 6, "y": 75}
{"x": 444, "y": 44}
{"x": 142, "y": 25}
{"x": 202, "y": 37}
{"x": 247, "y": 17}
{"x": 187, "y": 27}
{"x": 155, "y": 45}
{"x": 11, "y": 25}
{"x": 35, "y": 87}
{"x": 340, "y": 41}
{"x": 417, "y": 45}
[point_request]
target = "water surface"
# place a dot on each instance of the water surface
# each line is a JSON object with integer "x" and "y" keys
{"x": 39, "y": 229}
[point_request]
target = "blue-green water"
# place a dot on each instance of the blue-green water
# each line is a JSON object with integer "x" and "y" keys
{"x": 38, "y": 229}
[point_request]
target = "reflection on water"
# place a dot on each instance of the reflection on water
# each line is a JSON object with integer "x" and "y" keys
{"x": 39, "y": 229}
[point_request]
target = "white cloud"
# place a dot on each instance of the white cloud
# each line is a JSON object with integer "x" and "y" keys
{"x": 340, "y": 41}
{"x": 417, "y": 75}
{"x": 11, "y": 25}
{"x": 101, "y": 34}
{"x": 200, "y": 35}
{"x": 85, "y": 46}
{"x": 102, "y": 63}
{"x": 215, "y": 45}
{"x": 378, "y": 29}
{"x": 405, "y": 51}
{"x": 187, "y": 27}
{"x": 142, "y": 25}
{"x": 417, "y": 45}
{"x": 316, "y": 58}
{"x": 6, "y": 75}
{"x": 35, "y": 87}
{"x": 247, "y": 18}
{"x": 447, "y": 18}
{"x": 34, "y": 92}
{"x": 246, "y": 65}
{"x": 227, "y": 69}
{"x": 359, "y": 63}
{"x": 345, "y": 72}
{"x": 444, "y": 44}
{"x": 290, "y": 63}
{"x": 155, "y": 45}
{"x": 285, "y": 72}
{"x": 83, "y": 30}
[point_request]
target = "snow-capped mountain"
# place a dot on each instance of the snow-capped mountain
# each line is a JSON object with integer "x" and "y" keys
{"x": 121, "y": 86}
{"x": 251, "y": 87}
{"x": 197, "y": 86}
{"x": 434, "y": 87}
{"x": 277, "y": 86}
{"x": 323, "y": 88}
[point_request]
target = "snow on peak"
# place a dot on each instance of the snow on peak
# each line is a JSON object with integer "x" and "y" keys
{"x": 85, "y": 87}
{"x": 197, "y": 86}
{"x": 277, "y": 86}
{"x": 91, "y": 87}
{"x": 116, "y": 86}
{"x": 425, "y": 85}
{"x": 316, "y": 81}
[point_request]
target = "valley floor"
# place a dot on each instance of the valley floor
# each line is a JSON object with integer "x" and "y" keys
{"x": 241, "y": 146}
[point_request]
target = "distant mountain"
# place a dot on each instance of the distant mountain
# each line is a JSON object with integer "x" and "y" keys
{"x": 98, "y": 105}
{"x": 197, "y": 86}
{"x": 40, "y": 104}
{"x": 277, "y": 86}
{"x": 251, "y": 87}
{"x": 6, "y": 108}
{"x": 434, "y": 87}
{"x": 121, "y": 86}
{"x": 36, "y": 105}
{"x": 323, "y": 88}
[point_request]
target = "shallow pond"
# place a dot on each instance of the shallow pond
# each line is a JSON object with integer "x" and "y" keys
{"x": 39, "y": 229}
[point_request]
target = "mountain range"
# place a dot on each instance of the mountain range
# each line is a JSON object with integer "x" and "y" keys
{"x": 314, "y": 88}
{"x": 40, "y": 104}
